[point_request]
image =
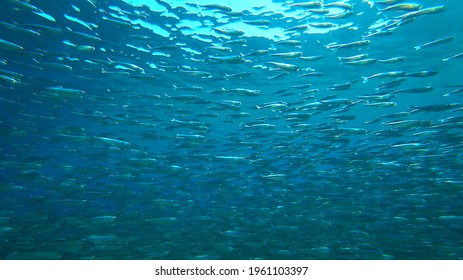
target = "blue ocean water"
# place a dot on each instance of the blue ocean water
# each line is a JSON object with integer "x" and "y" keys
{"x": 231, "y": 129}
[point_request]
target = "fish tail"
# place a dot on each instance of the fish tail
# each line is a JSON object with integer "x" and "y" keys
{"x": 370, "y": 3}
{"x": 365, "y": 79}
{"x": 417, "y": 48}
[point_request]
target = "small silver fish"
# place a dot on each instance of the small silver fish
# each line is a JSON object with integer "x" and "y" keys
{"x": 435, "y": 42}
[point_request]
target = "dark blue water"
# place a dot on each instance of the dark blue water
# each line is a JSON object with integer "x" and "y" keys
{"x": 244, "y": 130}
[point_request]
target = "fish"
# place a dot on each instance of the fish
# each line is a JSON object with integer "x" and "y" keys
{"x": 279, "y": 75}
{"x": 387, "y": 2}
{"x": 62, "y": 91}
{"x": 353, "y": 58}
{"x": 188, "y": 88}
{"x": 283, "y": 66}
{"x": 288, "y": 43}
{"x": 263, "y": 22}
{"x": 433, "y": 43}
{"x": 10, "y": 46}
{"x": 229, "y": 59}
{"x": 426, "y": 73}
{"x": 260, "y": 126}
{"x": 344, "y": 86}
{"x": 297, "y": 28}
{"x": 392, "y": 74}
{"x": 452, "y": 57}
{"x": 237, "y": 75}
{"x": 9, "y": 79}
{"x": 339, "y": 4}
{"x": 20, "y": 29}
{"x": 380, "y": 32}
{"x": 233, "y": 105}
{"x": 381, "y": 104}
{"x": 408, "y": 123}
{"x": 273, "y": 105}
{"x": 191, "y": 137}
{"x": 342, "y": 117}
{"x": 458, "y": 90}
{"x": 348, "y": 45}
{"x": 112, "y": 141}
{"x": 414, "y": 90}
{"x": 303, "y": 86}
{"x": 392, "y": 59}
{"x": 378, "y": 97}
{"x": 367, "y": 61}
{"x": 392, "y": 84}
{"x": 312, "y": 74}
{"x": 216, "y": 7}
{"x": 310, "y": 4}
{"x": 258, "y": 52}
{"x": 322, "y": 24}
{"x": 229, "y": 32}
{"x": 235, "y": 42}
{"x": 287, "y": 55}
{"x": 311, "y": 58}
{"x": 421, "y": 12}
{"x": 345, "y": 14}
{"x": 219, "y": 48}
{"x": 194, "y": 73}
{"x": 243, "y": 91}
{"x": 402, "y": 7}
{"x": 437, "y": 107}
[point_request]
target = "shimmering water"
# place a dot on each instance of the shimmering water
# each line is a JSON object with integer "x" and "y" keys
{"x": 231, "y": 130}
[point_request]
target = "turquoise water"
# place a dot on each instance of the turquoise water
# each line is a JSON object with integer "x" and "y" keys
{"x": 240, "y": 130}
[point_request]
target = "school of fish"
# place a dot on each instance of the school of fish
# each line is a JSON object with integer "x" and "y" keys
{"x": 210, "y": 129}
